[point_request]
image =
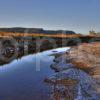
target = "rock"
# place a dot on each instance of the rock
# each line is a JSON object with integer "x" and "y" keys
{"x": 86, "y": 82}
{"x": 62, "y": 57}
{"x": 61, "y": 66}
{"x": 64, "y": 87}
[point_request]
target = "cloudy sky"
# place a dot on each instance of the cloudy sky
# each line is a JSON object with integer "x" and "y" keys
{"x": 77, "y": 15}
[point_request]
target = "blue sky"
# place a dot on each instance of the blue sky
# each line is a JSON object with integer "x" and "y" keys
{"x": 77, "y": 15}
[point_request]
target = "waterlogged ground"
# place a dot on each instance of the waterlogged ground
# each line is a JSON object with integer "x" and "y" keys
{"x": 23, "y": 79}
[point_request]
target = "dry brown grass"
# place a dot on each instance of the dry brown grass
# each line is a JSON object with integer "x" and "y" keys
{"x": 86, "y": 55}
{"x": 60, "y": 35}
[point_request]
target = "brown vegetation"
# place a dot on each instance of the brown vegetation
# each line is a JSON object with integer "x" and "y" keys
{"x": 3, "y": 34}
{"x": 86, "y": 55}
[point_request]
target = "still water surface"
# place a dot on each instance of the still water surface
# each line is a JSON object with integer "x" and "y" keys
{"x": 22, "y": 79}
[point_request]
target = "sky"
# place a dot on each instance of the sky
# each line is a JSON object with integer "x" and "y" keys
{"x": 77, "y": 15}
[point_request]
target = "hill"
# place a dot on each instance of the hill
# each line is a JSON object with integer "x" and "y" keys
{"x": 35, "y": 30}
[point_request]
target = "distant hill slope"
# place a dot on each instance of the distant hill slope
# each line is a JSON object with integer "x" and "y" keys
{"x": 34, "y": 30}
